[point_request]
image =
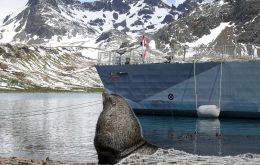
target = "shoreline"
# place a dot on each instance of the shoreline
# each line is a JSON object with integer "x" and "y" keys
{"x": 86, "y": 90}
{"x": 23, "y": 161}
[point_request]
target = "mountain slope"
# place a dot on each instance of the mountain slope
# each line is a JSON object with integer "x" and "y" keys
{"x": 32, "y": 67}
{"x": 40, "y": 21}
{"x": 214, "y": 24}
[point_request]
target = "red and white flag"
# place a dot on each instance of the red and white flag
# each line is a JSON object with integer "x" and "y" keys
{"x": 144, "y": 42}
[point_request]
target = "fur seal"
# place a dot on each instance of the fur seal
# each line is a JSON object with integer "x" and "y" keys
{"x": 118, "y": 133}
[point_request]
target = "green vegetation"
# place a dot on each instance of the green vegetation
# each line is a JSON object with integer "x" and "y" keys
{"x": 15, "y": 85}
{"x": 49, "y": 65}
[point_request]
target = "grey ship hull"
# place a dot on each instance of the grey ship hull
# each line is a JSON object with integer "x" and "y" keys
{"x": 169, "y": 89}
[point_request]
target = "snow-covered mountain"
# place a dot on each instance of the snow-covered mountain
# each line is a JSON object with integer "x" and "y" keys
{"x": 101, "y": 24}
{"x": 234, "y": 23}
{"x": 110, "y": 24}
{"x": 187, "y": 5}
{"x": 63, "y": 22}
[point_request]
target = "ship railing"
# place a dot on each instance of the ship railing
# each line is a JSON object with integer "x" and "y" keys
{"x": 242, "y": 51}
{"x": 216, "y": 53}
{"x": 183, "y": 54}
{"x": 133, "y": 57}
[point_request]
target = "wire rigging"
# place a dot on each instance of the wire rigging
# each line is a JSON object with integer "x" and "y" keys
{"x": 195, "y": 83}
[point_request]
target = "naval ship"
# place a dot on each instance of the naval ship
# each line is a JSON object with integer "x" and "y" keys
{"x": 231, "y": 83}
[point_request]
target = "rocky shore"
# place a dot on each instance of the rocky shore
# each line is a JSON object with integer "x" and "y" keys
{"x": 21, "y": 161}
{"x": 171, "y": 156}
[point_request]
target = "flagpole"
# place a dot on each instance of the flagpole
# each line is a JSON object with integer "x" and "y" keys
{"x": 144, "y": 45}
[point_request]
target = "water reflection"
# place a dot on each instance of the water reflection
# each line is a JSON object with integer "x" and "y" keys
{"x": 68, "y": 135}
{"x": 208, "y": 129}
{"x": 203, "y": 136}
{"x": 33, "y": 126}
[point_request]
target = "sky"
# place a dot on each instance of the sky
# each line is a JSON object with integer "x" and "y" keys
{"x": 9, "y": 6}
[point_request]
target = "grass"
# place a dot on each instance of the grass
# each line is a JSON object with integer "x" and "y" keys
{"x": 21, "y": 55}
{"x": 15, "y": 85}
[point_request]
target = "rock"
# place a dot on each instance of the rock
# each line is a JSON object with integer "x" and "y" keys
{"x": 118, "y": 133}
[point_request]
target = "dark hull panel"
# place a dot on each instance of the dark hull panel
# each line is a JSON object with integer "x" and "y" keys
{"x": 172, "y": 89}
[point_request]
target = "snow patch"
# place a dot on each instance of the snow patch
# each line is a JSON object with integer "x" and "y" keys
{"x": 3, "y": 84}
{"x": 9, "y": 32}
{"x": 152, "y": 44}
{"x": 206, "y": 39}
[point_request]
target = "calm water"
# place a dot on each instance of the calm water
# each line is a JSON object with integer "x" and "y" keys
{"x": 203, "y": 136}
{"x": 62, "y": 126}
{"x": 58, "y": 125}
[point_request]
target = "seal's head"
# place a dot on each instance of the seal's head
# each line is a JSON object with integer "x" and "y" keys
{"x": 118, "y": 132}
